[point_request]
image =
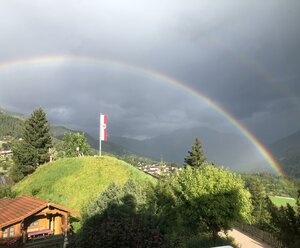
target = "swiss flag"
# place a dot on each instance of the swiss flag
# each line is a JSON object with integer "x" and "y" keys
{"x": 103, "y": 122}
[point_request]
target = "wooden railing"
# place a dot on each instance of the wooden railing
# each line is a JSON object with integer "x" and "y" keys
{"x": 50, "y": 241}
{"x": 260, "y": 234}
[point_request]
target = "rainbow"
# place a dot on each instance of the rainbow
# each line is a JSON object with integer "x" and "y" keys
{"x": 54, "y": 59}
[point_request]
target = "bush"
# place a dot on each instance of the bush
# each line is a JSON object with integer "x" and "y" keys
{"x": 5, "y": 191}
{"x": 10, "y": 242}
{"x": 119, "y": 225}
{"x": 200, "y": 200}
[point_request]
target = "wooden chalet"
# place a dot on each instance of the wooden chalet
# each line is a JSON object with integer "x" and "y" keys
{"x": 27, "y": 217}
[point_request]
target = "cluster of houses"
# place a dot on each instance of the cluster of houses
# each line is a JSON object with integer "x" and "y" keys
{"x": 4, "y": 151}
{"x": 157, "y": 169}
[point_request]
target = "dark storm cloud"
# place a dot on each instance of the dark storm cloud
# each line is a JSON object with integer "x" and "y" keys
{"x": 242, "y": 54}
{"x": 258, "y": 46}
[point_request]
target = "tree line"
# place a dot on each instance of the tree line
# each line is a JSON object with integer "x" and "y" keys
{"x": 186, "y": 209}
{"x": 10, "y": 126}
{"x": 36, "y": 146}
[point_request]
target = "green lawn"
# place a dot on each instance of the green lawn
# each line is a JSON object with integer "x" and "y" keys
{"x": 282, "y": 201}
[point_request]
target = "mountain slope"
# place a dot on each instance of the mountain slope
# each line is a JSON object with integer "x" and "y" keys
{"x": 11, "y": 124}
{"x": 287, "y": 152}
{"x": 107, "y": 146}
{"x": 227, "y": 149}
{"x": 75, "y": 182}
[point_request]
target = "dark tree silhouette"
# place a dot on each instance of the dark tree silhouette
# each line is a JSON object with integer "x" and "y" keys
{"x": 195, "y": 157}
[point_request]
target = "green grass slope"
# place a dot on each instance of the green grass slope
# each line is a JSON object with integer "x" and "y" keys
{"x": 75, "y": 182}
{"x": 282, "y": 201}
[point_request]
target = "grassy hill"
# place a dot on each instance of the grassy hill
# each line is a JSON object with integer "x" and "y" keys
{"x": 74, "y": 182}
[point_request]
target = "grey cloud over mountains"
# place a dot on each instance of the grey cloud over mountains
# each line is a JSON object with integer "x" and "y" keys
{"x": 245, "y": 55}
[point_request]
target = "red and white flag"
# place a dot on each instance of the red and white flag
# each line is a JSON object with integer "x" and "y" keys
{"x": 103, "y": 133}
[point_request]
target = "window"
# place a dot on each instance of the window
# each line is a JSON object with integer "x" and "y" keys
{"x": 11, "y": 232}
{"x": 35, "y": 223}
{"x": 8, "y": 232}
{"x": 5, "y": 233}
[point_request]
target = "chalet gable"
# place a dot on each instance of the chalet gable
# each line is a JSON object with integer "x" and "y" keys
{"x": 20, "y": 208}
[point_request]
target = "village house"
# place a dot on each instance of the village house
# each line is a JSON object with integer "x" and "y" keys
{"x": 27, "y": 217}
{"x": 6, "y": 154}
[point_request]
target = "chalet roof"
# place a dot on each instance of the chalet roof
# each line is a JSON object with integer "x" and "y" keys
{"x": 4, "y": 202}
{"x": 15, "y": 210}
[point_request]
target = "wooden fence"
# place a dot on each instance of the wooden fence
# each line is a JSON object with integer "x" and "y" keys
{"x": 260, "y": 234}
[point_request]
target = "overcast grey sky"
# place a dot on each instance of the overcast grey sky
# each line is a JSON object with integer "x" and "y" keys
{"x": 245, "y": 55}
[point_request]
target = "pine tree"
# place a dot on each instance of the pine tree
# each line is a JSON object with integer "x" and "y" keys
{"x": 33, "y": 149}
{"x": 37, "y": 135}
{"x": 196, "y": 156}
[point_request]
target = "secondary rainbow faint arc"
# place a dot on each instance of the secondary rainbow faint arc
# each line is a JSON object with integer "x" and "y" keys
{"x": 48, "y": 59}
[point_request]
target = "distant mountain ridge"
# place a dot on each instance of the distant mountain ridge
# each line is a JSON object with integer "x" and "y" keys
{"x": 226, "y": 149}
{"x": 11, "y": 124}
{"x": 287, "y": 153}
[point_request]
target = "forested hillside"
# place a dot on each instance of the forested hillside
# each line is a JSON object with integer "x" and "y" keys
{"x": 287, "y": 152}
{"x": 10, "y": 125}
{"x": 274, "y": 185}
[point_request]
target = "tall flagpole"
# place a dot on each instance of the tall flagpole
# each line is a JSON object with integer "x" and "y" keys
{"x": 100, "y": 135}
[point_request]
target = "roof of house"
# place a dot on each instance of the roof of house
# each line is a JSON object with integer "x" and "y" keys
{"x": 15, "y": 210}
{"x": 4, "y": 202}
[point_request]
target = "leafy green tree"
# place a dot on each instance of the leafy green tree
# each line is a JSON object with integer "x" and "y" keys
{"x": 195, "y": 157}
{"x": 114, "y": 193}
{"x": 162, "y": 205}
{"x": 75, "y": 144}
{"x": 5, "y": 191}
{"x": 6, "y": 146}
{"x": 32, "y": 150}
{"x": 119, "y": 225}
{"x": 111, "y": 194}
{"x": 259, "y": 200}
{"x": 210, "y": 199}
{"x": 116, "y": 219}
{"x": 285, "y": 223}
